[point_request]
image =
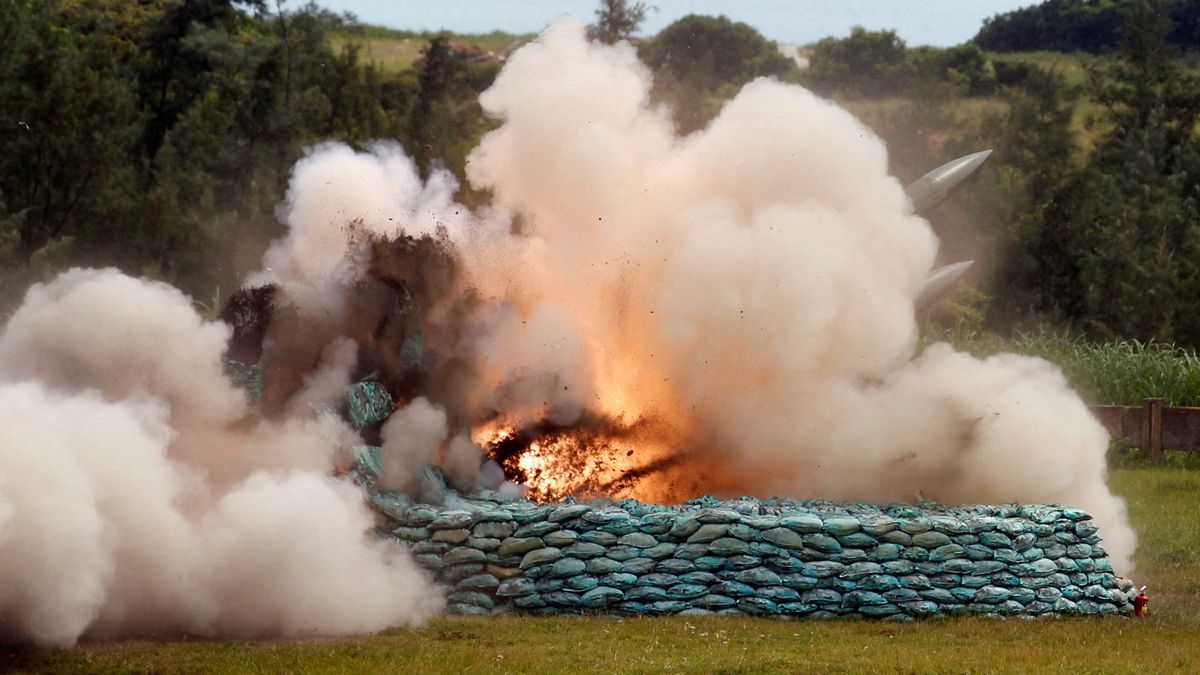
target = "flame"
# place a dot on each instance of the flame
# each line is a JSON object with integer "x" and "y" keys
{"x": 608, "y": 459}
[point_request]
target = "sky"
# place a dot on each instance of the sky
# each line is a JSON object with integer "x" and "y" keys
{"x": 940, "y": 23}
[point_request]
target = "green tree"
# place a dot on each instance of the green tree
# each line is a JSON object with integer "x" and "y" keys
{"x": 69, "y": 126}
{"x": 618, "y": 20}
{"x": 701, "y": 61}
{"x": 446, "y": 121}
{"x": 867, "y": 63}
{"x": 1119, "y": 243}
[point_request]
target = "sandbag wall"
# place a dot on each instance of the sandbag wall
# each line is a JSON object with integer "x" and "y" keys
{"x": 779, "y": 557}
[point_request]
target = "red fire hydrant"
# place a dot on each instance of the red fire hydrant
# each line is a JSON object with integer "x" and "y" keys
{"x": 1140, "y": 603}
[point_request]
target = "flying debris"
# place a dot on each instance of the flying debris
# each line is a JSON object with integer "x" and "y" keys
{"x": 931, "y": 189}
{"x": 941, "y": 280}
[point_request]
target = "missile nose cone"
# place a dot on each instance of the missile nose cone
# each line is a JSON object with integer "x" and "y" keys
{"x": 929, "y": 190}
{"x": 940, "y": 281}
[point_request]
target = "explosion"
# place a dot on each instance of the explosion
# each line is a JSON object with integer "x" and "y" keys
{"x": 637, "y": 314}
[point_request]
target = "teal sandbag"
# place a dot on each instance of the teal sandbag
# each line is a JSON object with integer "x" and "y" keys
{"x": 603, "y": 566}
{"x": 699, "y": 577}
{"x": 646, "y": 593}
{"x": 779, "y": 594}
{"x": 566, "y": 567}
{"x": 638, "y": 540}
{"x": 561, "y": 538}
{"x": 562, "y": 599}
{"x": 368, "y": 464}
{"x": 542, "y": 556}
{"x": 517, "y": 586}
{"x": 921, "y": 608}
{"x": 714, "y": 601}
{"x": 878, "y": 611}
{"x": 879, "y": 583}
{"x": 822, "y": 543}
{"x": 691, "y": 551}
{"x": 368, "y": 403}
{"x": 898, "y": 567}
{"x": 744, "y": 562}
{"x": 531, "y": 601}
{"x": 686, "y": 591}
{"x": 472, "y": 598}
{"x": 619, "y": 580}
{"x": 857, "y": 540}
{"x": 884, "y": 552}
{"x": 728, "y": 546}
{"x": 675, "y": 566}
{"x": 638, "y": 566}
{"x": 658, "y": 579}
{"x": 799, "y": 581}
{"x": 667, "y": 606}
{"x": 841, "y": 526}
{"x": 931, "y": 539}
{"x": 479, "y": 582}
{"x": 857, "y": 598}
{"x": 758, "y": 576}
{"x": 601, "y": 596}
{"x": 394, "y": 505}
{"x": 783, "y": 563}
{"x": 757, "y": 606}
{"x": 734, "y": 589}
{"x": 859, "y": 570}
{"x": 821, "y": 596}
{"x": 584, "y": 550}
{"x": 247, "y": 376}
{"x": 581, "y": 583}
{"x": 992, "y": 594}
{"x": 899, "y": 595}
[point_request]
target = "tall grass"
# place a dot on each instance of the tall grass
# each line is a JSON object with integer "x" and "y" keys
{"x": 1113, "y": 373}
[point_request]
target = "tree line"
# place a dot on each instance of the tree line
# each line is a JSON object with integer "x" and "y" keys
{"x": 1094, "y": 26}
{"x": 158, "y": 136}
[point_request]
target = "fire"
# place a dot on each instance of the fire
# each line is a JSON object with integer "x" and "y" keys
{"x": 594, "y": 457}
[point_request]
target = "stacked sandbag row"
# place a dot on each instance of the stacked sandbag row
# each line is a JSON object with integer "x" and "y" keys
{"x": 787, "y": 558}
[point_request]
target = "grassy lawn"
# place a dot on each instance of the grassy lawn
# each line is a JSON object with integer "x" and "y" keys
{"x": 1163, "y": 504}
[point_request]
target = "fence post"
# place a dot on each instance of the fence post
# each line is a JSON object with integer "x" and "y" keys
{"x": 1152, "y": 429}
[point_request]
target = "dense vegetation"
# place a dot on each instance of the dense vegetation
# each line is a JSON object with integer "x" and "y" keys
{"x": 158, "y": 136}
{"x": 1093, "y": 26}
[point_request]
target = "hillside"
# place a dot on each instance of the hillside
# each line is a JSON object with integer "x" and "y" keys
{"x": 394, "y": 51}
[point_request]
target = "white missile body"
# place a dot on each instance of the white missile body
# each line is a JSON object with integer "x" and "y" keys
{"x": 929, "y": 190}
{"x": 940, "y": 281}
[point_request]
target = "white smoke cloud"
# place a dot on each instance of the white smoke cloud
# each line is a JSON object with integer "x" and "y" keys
{"x": 336, "y": 197}
{"x": 751, "y": 284}
{"x": 327, "y": 385}
{"x": 754, "y": 284}
{"x": 130, "y": 506}
{"x": 411, "y": 438}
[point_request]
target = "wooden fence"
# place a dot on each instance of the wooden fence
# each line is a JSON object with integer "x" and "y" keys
{"x": 1153, "y": 426}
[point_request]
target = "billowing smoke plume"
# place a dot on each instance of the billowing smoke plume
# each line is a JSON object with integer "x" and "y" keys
{"x": 136, "y": 499}
{"x": 747, "y": 289}
{"x": 736, "y": 306}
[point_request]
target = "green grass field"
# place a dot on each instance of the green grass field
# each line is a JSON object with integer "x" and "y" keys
{"x": 1162, "y": 503}
{"x": 395, "y": 51}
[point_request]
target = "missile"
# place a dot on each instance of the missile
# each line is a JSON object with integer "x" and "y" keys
{"x": 929, "y": 190}
{"x": 941, "y": 280}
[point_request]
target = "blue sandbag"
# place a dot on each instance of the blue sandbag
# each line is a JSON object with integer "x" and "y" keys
{"x": 368, "y": 403}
